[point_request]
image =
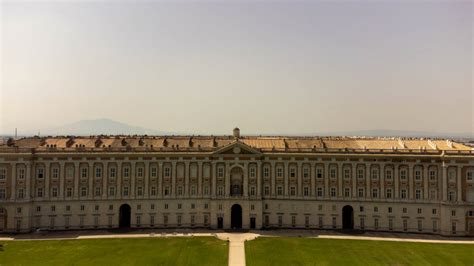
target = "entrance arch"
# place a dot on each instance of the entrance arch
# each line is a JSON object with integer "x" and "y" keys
{"x": 125, "y": 216}
{"x": 347, "y": 217}
{"x": 236, "y": 217}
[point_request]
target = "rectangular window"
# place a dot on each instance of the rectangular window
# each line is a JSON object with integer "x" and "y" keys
{"x": 55, "y": 173}
{"x": 220, "y": 172}
{"x": 98, "y": 172}
{"x": 403, "y": 194}
{"x": 388, "y": 174}
{"x": 21, "y": 193}
{"x": 435, "y": 226}
{"x": 375, "y": 174}
{"x": 252, "y": 172}
{"x": 417, "y": 175}
{"x": 360, "y": 173}
{"x": 470, "y": 176}
{"x": 405, "y": 225}
{"x": 40, "y": 173}
{"x": 360, "y": 192}
{"x": 153, "y": 191}
{"x": 389, "y": 193}
{"x": 2, "y": 193}
{"x": 140, "y": 172}
{"x": 279, "y": 172}
{"x": 319, "y": 173}
{"x": 375, "y": 193}
{"x": 54, "y": 192}
{"x": 432, "y": 175}
{"x": 139, "y": 191}
{"x": 433, "y": 211}
{"x": 252, "y": 191}
{"x": 420, "y": 225}
{"x": 292, "y": 191}
{"x": 112, "y": 172}
{"x": 347, "y": 173}
{"x": 153, "y": 172}
{"x": 126, "y": 172}
{"x": 306, "y": 191}
{"x": 376, "y": 224}
{"x": 97, "y": 191}
{"x": 320, "y": 222}
{"x": 280, "y": 220}
{"x": 266, "y": 172}
{"x": 332, "y": 173}
{"x": 125, "y": 191}
{"x": 111, "y": 191}
{"x": 70, "y": 172}
{"x": 39, "y": 192}
{"x": 319, "y": 192}
{"x": 305, "y": 173}
{"x": 83, "y": 191}
{"x": 292, "y": 172}
{"x": 333, "y": 192}
{"x": 279, "y": 190}
{"x": 83, "y": 172}
{"x": 293, "y": 221}
{"x": 139, "y": 220}
{"x": 390, "y": 224}
{"x": 21, "y": 173}
{"x": 362, "y": 223}
{"x": 403, "y": 174}
{"x": 69, "y": 192}
{"x": 418, "y": 194}
{"x": 347, "y": 192}
{"x": 266, "y": 190}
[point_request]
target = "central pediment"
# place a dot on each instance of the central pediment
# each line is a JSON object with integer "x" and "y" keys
{"x": 237, "y": 147}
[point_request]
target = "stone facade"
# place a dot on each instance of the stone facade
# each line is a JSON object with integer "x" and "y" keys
{"x": 227, "y": 182}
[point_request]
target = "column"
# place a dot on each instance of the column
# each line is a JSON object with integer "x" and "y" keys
{"x": 28, "y": 180}
{"x": 444, "y": 180}
{"x": 173, "y": 179}
{"x": 340, "y": 181}
{"x": 246, "y": 180}
{"x": 368, "y": 179}
{"x": 312, "y": 176}
{"x": 133, "y": 177}
{"x": 199, "y": 175}
{"x": 46, "y": 179}
{"x": 259, "y": 179}
{"x": 459, "y": 184}
{"x": 425, "y": 182}
{"x": 13, "y": 180}
{"x": 160, "y": 179}
{"x": 146, "y": 173}
{"x": 214, "y": 178}
{"x": 227, "y": 180}
{"x": 354, "y": 180}
{"x": 382, "y": 181}
{"x": 326, "y": 180}
{"x": 396, "y": 177}
{"x": 273, "y": 180}
{"x": 91, "y": 180}
{"x": 118, "y": 192}
{"x": 285, "y": 178}
{"x": 300, "y": 180}
{"x": 411, "y": 183}
{"x": 77, "y": 176}
{"x": 62, "y": 176}
{"x": 105, "y": 177}
{"x": 186, "y": 179}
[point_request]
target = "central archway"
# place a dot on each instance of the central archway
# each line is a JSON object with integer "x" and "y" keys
{"x": 125, "y": 216}
{"x": 236, "y": 217}
{"x": 347, "y": 217}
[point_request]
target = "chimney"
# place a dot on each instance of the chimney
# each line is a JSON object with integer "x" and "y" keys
{"x": 236, "y": 132}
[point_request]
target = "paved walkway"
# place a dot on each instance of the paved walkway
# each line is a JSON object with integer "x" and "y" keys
{"x": 237, "y": 246}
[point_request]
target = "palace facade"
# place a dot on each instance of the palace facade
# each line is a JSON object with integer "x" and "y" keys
{"x": 379, "y": 184}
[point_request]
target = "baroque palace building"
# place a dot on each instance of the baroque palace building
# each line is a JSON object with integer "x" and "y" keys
{"x": 378, "y": 184}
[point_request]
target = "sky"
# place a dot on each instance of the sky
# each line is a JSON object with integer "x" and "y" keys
{"x": 266, "y": 66}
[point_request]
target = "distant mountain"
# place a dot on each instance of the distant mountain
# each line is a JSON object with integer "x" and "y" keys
{"x": 101, "y": 127}
{"x": 399, "y": 133}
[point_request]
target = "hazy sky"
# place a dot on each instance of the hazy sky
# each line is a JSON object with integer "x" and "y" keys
{"x": 267, "y": 67}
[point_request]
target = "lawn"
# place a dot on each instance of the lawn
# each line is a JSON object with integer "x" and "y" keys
{"x": 306, "y": 251}
{"x": 136, "y": 251}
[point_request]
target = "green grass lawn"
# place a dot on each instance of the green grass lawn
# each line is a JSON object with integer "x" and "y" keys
{"x": 305, "y": 251}
{"x": 132, "y": 251}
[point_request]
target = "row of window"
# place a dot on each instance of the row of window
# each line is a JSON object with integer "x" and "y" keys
{"x": 140, "y": 172}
